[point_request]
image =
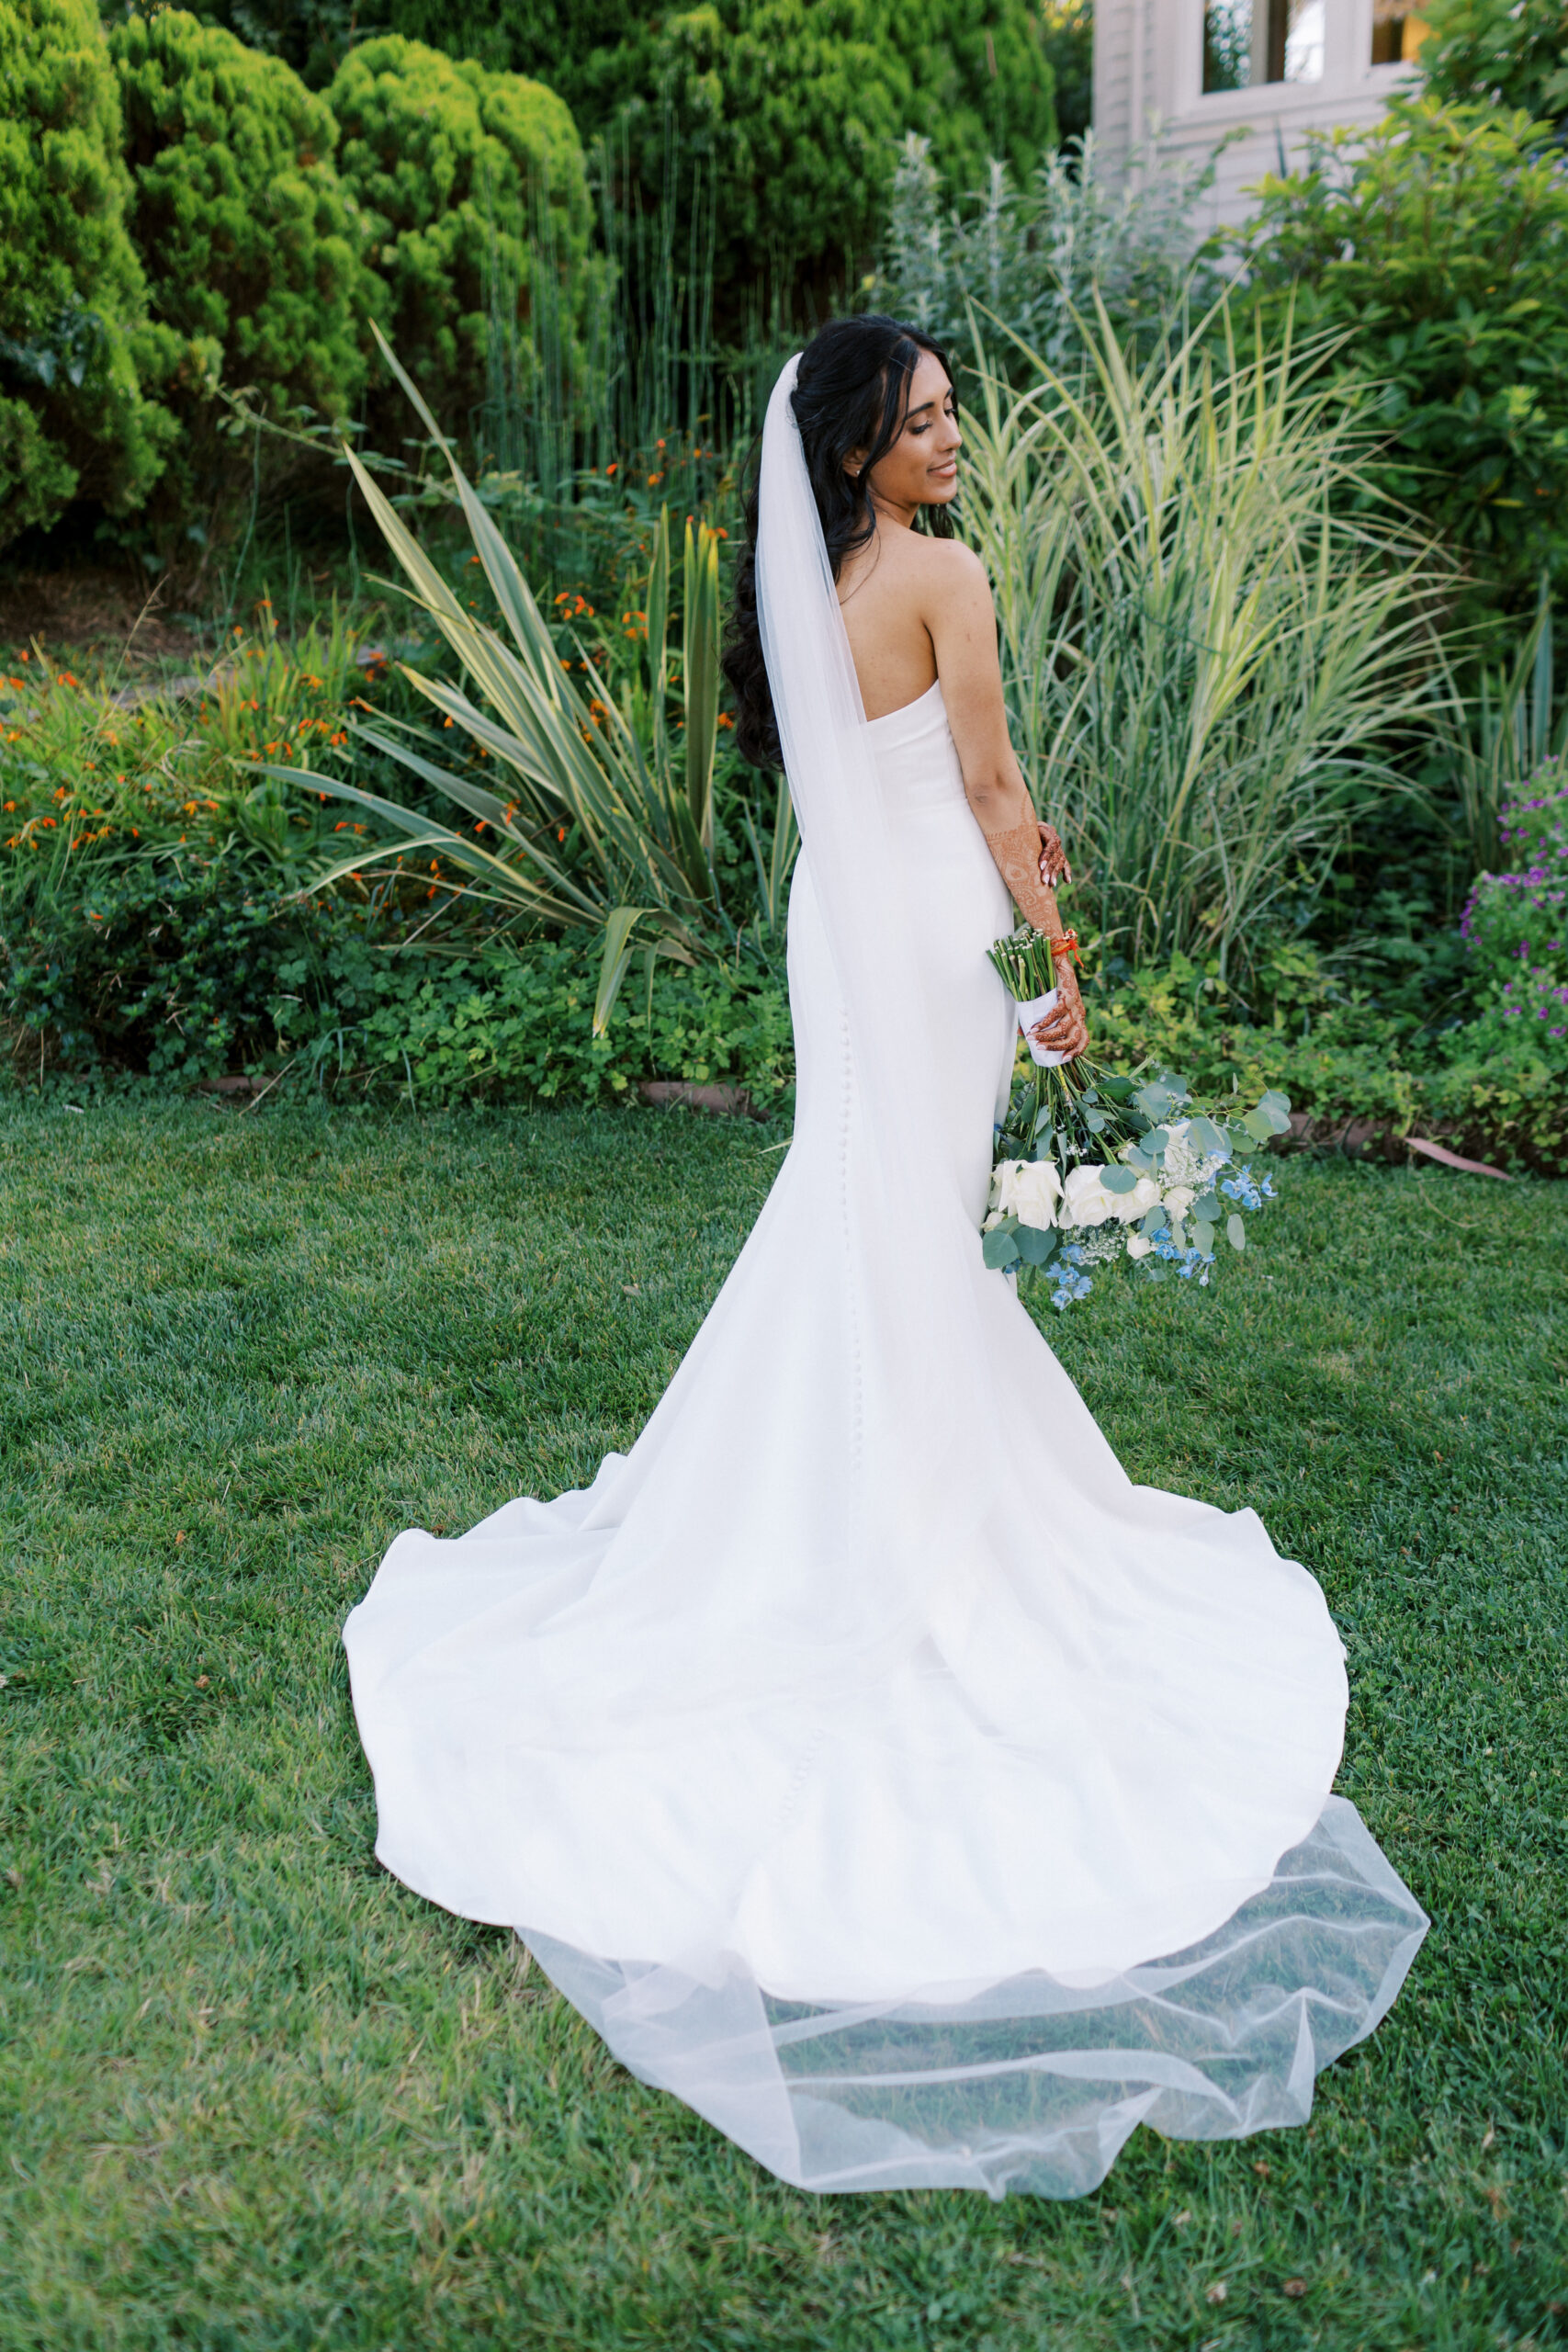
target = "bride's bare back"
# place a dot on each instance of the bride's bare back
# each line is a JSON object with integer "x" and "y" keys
{"x": 917, "y": 609}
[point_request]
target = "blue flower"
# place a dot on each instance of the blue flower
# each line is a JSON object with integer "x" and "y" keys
{"x": 1243, "y": 1187}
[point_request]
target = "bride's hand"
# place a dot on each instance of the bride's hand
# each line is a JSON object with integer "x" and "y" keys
{"x": 1064, "y": 1030}
{"x": 1053, "y": 856}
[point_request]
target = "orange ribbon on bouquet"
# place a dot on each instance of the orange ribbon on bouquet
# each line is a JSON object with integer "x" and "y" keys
{"x": 1067, "y": 945}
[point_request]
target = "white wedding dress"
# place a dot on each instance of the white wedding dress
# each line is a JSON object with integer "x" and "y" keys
{"x": 871, "y": 1762}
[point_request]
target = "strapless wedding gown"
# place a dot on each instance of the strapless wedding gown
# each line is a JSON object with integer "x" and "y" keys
{"x": 951, "y": 1884}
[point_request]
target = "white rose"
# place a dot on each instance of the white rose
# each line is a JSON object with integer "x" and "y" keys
{"x": 1086, "y": 1202}
{"x": 1179, "y": 1200}
{"x": 1138, "y": 1245}
{"x": 1131, "y": 1206}
{"x": 1030, "y": 1190}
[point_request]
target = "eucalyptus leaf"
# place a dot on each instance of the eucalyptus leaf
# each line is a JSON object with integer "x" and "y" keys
{"x": 1118, "y": 1180}
{"x": 1036, "y": 1244}
{"x": 1235, "y": 1232}
{"x": 1000, "y": 1248}
{"x": 1259, "y": 1126}
{"x": 1155, "y": 1219}
{"x": 1095, "y": 1122}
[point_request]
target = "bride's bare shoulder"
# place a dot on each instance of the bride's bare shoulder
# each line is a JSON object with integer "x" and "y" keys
{"x": 947, "y": 569}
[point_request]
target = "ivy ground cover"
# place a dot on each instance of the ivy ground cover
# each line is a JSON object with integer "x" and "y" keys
{"x": 254, "y": 2094}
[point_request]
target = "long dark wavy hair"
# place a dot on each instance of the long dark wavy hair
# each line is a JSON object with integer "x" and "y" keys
{"x": 852, "y": 393}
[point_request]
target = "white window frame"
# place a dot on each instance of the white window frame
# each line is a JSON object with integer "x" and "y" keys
{"x": 1347, "y": 73}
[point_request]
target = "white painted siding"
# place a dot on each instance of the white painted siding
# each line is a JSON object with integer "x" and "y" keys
{"x": 1148, "y": 57}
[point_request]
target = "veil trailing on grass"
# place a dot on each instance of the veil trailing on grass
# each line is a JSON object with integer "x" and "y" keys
{"x": 871, "y": 1762}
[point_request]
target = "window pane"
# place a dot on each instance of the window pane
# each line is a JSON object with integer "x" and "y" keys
{"x": 1303, "y": 41}
{"x": 1227, "y": 44}
{"x": 1249, "y": 41}
{"x": 1398, "y": 31}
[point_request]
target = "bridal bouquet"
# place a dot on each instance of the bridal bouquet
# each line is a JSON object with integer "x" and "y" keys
{"x": 1092, "y": 1169}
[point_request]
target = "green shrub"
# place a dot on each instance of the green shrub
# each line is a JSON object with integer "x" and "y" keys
{"x": 190, "y": 975}
{"x": 794, "y": 108}
{"x": 1516, "y": 924}
{"x": 1499, "y": 53}
{"x": 472, "y": 185}
{"x": 1349, "y": 1067}
{"x": 518, "y": 1022}
{"x": 170, "y": 972}
{"x": 791, "y": 109}
{"x": 75, "y": 419}
{"x": 1068, "y": 30}
{"x": 251, "y": 246}
{"x": 1436, "y": 244}
{"x": 1039, "y": 257}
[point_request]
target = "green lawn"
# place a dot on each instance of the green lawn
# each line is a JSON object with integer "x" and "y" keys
{"x": 255, "y": 2094}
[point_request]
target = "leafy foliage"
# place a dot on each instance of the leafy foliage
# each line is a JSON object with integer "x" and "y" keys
{"x": 607, "y": 821}
{"x": 1511, "y": 53}
{"x": 1037, "y": 259}
{"x": 1067, "y": 26}
{"x": 252, "y": 249}
{"x": 471, "y": 186}
{"x": 188, "y": 976}
{"x": 1435, "y": 246}
{"x": 75, "y": 419}
{"x": 1517, "y": 922}
{"x": 786, "y": 110}
{"x": 89, "y": 787}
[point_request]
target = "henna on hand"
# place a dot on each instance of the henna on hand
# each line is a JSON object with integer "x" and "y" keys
{"x": 1054, "y": 866}
{"x": 1064, "y": 1030}
{"x": 1020, "y": 856}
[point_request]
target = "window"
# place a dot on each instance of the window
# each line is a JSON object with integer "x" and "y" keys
{"x": 1249, "y": 41}
{"x": 1398, "y": 31}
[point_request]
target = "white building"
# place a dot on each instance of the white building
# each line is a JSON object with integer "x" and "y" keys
{"x": 1189, "y": 70}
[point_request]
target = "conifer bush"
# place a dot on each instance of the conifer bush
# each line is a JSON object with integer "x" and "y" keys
{"x": 791, "y": 109}
{"x": 252, "y": 248}
{"x": 472, "y": 185}
{"x": 74, "y": 418}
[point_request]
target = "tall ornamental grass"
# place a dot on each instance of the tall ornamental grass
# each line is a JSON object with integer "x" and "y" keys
{"x": 1205, "y": 652}
{"x": 605, "y": 821}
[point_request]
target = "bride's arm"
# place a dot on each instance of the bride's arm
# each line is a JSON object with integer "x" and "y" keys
{"x": 963, "y": 623}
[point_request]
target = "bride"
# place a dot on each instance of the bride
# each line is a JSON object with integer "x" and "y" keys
{"x": 871, "y": 1763}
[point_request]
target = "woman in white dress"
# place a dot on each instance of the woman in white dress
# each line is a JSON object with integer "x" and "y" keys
{"x": 873, "y": 1763}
